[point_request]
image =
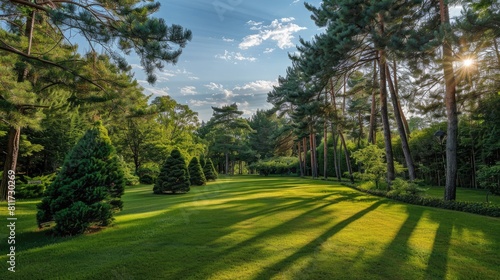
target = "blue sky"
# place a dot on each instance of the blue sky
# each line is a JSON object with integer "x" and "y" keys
{"x": 238, "y": 50}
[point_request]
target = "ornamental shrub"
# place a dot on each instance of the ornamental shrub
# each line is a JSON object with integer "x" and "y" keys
{"x": 196, "y": 175}
{"x": 209, "y": 170}
{"x": 174, "y": 175}
{"x": 88, "y": 188}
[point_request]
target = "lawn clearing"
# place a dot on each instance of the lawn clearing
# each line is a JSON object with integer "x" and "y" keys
{"x": 253, "y": 227}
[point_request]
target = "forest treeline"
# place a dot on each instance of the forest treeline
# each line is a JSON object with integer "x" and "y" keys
{"x": 399, "y": 75}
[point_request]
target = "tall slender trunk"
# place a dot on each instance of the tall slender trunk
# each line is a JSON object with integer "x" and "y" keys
{"x": 391, "y": 174}
{"x": 14, "y": 135}
{"x": 325, "y": 151}
{"x": 347, "y": 156}
{"x": 400, "y": 109}
{"x": 301, "y": 167}
{"x": 304, "y": 146}
{"x": 451, "y": 109}
{"x": 226, "y": 171}
{"x": 11, "y": 158}
{"x": 325, "y": 141}
{"x": 372, "y": 135}
{"x": 385, "y": 120}
{"x": 336, "y": 165}
{"x": 401, "y": 128}
{"x": 312, "y": 154}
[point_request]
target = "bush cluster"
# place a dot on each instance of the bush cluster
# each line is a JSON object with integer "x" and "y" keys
{"x": 26, "y": 188}
{"x": 276, "y": 165}
{"x": 480, "y": 208}
{"x": 148, "y": 174}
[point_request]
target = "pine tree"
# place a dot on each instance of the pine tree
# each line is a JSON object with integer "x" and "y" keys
{"x": 87, "y": 189}
{"x": 174, "y": 176}
{"x": 209, "y": 170}
{"x": 196, "y": 175}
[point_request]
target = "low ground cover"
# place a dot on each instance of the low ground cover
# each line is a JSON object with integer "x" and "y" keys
{"x": 252, "y": 227}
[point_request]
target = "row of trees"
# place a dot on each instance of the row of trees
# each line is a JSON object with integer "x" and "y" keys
{"x": 177, "y": 177}
{"x": 404, "y": 53}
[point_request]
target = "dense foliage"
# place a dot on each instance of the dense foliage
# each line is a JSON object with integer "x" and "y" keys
{"x": 209, "y": 170}
{"x": 88, "y": 188}
{"x": 174, "y": 175}
{"x": 196, "y": 175}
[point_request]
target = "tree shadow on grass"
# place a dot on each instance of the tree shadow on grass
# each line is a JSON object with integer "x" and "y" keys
{"x": 392, "y": 263}
{"x": 438, "y": 260}
{"x": 311, "y": 247}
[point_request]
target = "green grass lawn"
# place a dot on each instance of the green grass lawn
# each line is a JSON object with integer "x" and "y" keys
{"x": 262, "y": 228}
{"x": 463, "y": 194}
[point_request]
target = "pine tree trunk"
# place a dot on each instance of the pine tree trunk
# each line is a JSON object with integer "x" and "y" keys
{"x": 347, "y": 156}
{"x": 391, "y": 174}
{"x": 401, "y": 128}
{"x": 396, "y": 87}
{"x": 372, "y": 135}
{"x": 312, "y": 154}
{"x": 325, "y": 151}
{"x": 304, "y": 146}
{"x": 385, "y": 119}
{"x": 301, "y": 167}
{"x": 451, "y": 110}
{"x": 10, "y": 159}
{"x": 336, "y": 166}
{"x": 227, "y": 164}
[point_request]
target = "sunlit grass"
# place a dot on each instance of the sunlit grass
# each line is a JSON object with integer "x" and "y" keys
{"x": 463, "y": 194}
{"x": 264, "y": 228}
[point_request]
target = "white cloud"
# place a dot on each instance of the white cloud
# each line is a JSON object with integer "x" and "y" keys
{"x": 258, "y": 86}
{"x": 254, "y": 23}
{"x": 214, "y": 86}
{"x": 136, "y": 66}
{"x": 158, "y": 91}
{"x": 227, "y": 39}
{"x": 199, "y": 103}
{"x": 188, "y": 90}
{"x": 231, "y": 56}
{"x": 192, "y": 78}
{"x": 279, "y": 30}
{"x": 295, "y": 1}
{"x": 269, "y": 50}
{"x": 220, "y": 89}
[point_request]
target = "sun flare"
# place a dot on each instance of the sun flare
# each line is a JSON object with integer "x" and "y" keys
{"x": 467, "y": 62}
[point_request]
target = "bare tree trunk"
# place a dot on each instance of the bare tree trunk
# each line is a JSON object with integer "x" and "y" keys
{"x": 400, "y": 109}
{"x": 347, "y": 156}
{"x": 11, "y": 158}
{"x": 15, "y": 130}
{"x": 372, "y": 135}
{"x": 300, "y": 160}
{"x": 401, "y": 128}
{"x": 304, "y": 145}
{"x": 391, "y": 174}
{"x": 325, "y": 151}
{"x": 385, "y": 120}
{"x": 451, "y": 110}
{"x": 336, "y": 165}
{"x": 227, "y": 164}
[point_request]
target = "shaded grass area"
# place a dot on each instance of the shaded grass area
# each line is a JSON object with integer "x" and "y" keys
{"x": 463, "y": 194}
{"x": 263, "y": 228}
